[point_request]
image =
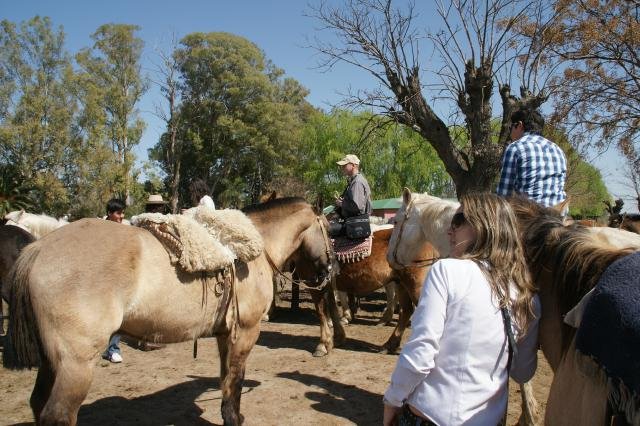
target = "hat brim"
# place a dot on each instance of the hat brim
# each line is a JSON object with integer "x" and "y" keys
{"x": 156, "y": 202}
{"x": 342, "y": 162}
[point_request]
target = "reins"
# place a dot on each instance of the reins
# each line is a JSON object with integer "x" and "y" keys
{"x": 303, "y": 283}
{"x": 420, "y": 263}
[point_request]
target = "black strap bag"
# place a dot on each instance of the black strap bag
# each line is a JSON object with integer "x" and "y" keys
{"x": 357, "y": 227}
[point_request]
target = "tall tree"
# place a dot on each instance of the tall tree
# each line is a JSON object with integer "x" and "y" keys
{"x": 240, "y": 117}
{"x": 475, "y": 52}
{"x": 113, "y": 65}
{"x": 37, "y": 109}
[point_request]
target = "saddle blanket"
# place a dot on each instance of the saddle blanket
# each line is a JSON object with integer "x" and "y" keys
{"x": 350, "y": 251}
{"x": 610, "y": 328}
{"x": 204, "y": 240}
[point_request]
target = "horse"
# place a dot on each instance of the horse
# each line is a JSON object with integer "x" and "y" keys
{"x": 12, "y": 240}
{"x": 74, "y": 288}
{"x": 37, "y": 225}
{"x": 566, "y": 262}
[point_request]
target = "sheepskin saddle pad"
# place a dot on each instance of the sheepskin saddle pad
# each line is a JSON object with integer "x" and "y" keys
{"x": 609, "y": 332}
{"x": 204, "y": 240}
{"x": 351, "y": 251}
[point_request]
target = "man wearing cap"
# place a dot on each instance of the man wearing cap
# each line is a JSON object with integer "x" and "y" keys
{"x": 356, "y": 197}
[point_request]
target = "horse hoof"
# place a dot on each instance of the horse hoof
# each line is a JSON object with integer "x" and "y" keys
{"x": 344, "y": 321}
{"x": 321, "y": 350}
{"x": 265, "y": 318}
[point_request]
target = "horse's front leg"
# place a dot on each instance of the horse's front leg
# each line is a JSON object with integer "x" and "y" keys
{"x": 331, "y": 306}
{"x": 233, "y": 359}
{"x": 326, "y": 333}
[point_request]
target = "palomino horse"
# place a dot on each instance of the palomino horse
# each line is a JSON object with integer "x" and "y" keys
{"x": 566, "y": 262}
{"x": 77, "y": 286}
{"x": 12, "y": 240}
{"x": 424, "y": 219}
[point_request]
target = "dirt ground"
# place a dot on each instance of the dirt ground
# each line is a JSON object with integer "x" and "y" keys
{"x": 284, "y": 383}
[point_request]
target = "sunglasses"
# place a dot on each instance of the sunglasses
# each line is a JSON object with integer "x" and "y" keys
{"x": 458, "y": 220}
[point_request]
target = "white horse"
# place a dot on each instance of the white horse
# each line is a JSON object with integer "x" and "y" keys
{"x": 37, "y": 225}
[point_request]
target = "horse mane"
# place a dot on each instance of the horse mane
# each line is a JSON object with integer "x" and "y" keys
{"x": 575, "y": 258}
{"x": 434, "y": 218}
{"x": 278, "y": 203}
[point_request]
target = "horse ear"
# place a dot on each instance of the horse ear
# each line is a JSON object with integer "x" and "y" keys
{"x": 560, "y": 207}
{"x": 406, "y": 196}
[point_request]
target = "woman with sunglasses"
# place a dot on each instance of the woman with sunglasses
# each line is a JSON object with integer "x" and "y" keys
{"x": 454, "y": 368}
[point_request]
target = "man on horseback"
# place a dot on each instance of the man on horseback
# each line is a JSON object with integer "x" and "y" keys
{"x": 354, "y": 205}
{"x": 532, "y": 165}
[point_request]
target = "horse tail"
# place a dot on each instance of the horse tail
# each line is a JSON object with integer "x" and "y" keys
{"x": 23, "y": 347}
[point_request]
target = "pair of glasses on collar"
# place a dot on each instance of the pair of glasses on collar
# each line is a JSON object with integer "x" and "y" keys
{"x": 458, "y": 220}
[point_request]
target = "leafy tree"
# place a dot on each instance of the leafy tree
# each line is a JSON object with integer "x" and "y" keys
{"x": 475, "y": 52}
{"x": 240, "y": 118}
{"x": 112, "y": 68}
{"x": 37, "y": 109}
{"x": 13, "y": 194}
{"x": 391, "y": 158}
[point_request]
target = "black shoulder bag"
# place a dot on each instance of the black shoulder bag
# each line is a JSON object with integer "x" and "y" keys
{"x": 357, "y": 227}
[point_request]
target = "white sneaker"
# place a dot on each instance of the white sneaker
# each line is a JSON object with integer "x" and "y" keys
{"x": 115, "y": 358}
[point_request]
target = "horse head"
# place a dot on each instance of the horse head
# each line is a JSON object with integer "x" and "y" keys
{"x": 316, "y": 262}
{"x": 422, "y": 219}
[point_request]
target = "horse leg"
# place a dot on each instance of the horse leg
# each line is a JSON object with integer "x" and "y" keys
{"x": 347, "y": 317}
{"x": 339, "y": 335}
{"x": 387, "y": 315}
{"x": 233, "y": 359}
{"x": 530, "y": 413}
{"x": 42, "y": 389}
{"x": 326, "y": 333}
{"x": 70, "y": 387}
{"x": 406, "y": 310}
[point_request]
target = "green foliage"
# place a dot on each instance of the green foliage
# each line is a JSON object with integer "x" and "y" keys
{"x": 391, "y": 158}
{"x": 13, "y": 194}
{"x": 240, "y": 118}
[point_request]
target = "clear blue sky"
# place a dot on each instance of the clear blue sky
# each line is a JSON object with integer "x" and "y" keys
{"x": 279, "y": 27}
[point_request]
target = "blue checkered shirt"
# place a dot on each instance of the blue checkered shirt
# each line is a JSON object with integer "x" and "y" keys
{"x": 536, "y": 167}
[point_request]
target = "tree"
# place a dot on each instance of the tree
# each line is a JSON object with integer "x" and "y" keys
{"x": 113, "y": 66}
{"x": 171, "y": 147}
{"x": 393, "y": 157}
{"x": 476, "y": 49}
{"x": 240, "y": 117}
{"x": 37, "y": 110}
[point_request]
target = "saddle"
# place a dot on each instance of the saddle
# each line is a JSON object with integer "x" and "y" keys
{"x": 348, "y": 250}
{"x": 204, "y": 240}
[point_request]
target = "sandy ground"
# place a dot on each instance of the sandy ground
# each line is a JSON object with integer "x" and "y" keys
{"x": 284, "y": 383}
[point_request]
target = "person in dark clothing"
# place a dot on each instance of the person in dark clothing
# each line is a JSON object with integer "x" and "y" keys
{"x": 356, "y": 197}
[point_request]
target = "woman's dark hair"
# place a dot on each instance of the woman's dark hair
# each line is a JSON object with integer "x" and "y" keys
{"x": 198, "y": 188}
{"x": 115, "y": 205}
{"x": 532, "y": 120}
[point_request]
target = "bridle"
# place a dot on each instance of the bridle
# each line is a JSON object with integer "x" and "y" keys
{"x": 420, "y": 263}
{"x": 328, "y": 252}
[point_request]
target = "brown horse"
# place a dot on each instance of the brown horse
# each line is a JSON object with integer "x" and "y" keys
{"x": 566, "y": 262}
{"x": 12, "y": 241}
{"x": 74, "y": 288}
{"x": 362, "y": 278}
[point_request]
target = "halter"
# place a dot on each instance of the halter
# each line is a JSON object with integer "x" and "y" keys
{"x": 329, "y": 253}
{"x": 420, "y": 263}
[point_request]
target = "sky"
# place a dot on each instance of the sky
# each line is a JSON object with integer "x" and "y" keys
{"x": 279, "y": 27}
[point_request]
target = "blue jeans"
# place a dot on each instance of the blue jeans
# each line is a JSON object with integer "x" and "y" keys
{"x": 113, "y": 346}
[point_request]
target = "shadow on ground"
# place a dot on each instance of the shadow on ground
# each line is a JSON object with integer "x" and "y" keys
{"x": 338, "y": 398}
